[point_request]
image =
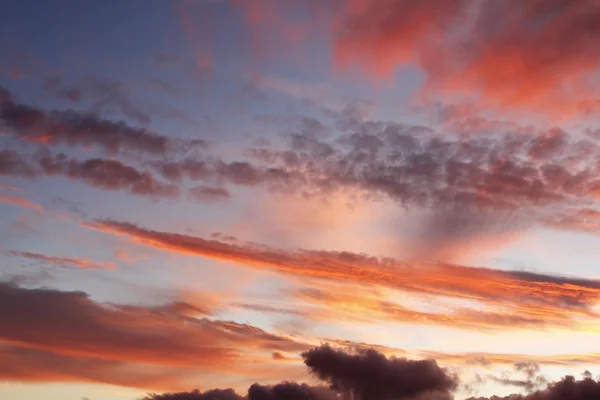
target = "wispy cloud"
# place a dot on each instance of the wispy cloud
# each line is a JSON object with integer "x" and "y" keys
{"x": 79, "y": 262}
{"x": 530, "y": 297}
{"x": 21, "y": 202}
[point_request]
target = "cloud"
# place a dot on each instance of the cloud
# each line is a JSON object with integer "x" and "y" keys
{"x": 379, "y": 38}
{"x": 289, "y": 390}
{"x": 188, "y": 168}
{"x": 27, "y": 365}
{"x": 583, "y": 219}
{"x": 176, "y": 334}
{"x": 213, "y": 394}
{"x": 533, "y": 380}
{"x": 74, "y": 128}
{"x": 279, "y": 356}
{"x": 567, "y": 388}
{"x": 464, "y": 193}
{"x": 79, "y": 262}
{"x": 370, "y": 375}
{"x": 321, "y": 96}
{"x": 10, "y": 188}
{"x": 208, "y": 193}
{"x": 353, "y": 370}
{"x": 358, "y": 304}
{"x": 521, "y": 172}
{"x": 534, "y": 56}
{"x": 104, "y": 96}
{"x": 108, "y": 174}
{"x": 529, "y": 297}
{"x": 11, "y": 163}
{"x": 21, "y": 202}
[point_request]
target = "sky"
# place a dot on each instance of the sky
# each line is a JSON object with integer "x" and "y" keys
{"x": 211, "y": 194}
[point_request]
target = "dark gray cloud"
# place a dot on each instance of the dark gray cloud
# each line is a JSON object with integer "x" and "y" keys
{"x": 372, "y": 376}
{"x": 568, "y": 388}
{"x": 289, "y": 391}
{"x": 213, "y": 394}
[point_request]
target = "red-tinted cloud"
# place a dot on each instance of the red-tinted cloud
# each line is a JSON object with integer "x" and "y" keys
{"x": 530, "y": 55}
{"x": 54, "y": 332}
{"x": 27, "y": 365}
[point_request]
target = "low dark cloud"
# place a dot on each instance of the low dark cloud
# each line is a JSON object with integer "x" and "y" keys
{"x": 213, "y": 394}
{"x": 289, "y": 391}
{"x": 370, "y": 375}
{"x": 567, "y": 388}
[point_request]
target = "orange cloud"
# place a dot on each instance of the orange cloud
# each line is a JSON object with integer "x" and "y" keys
{"x": 45, "y": 325}
{"x": 21, "y": 202}
{"x": 540, "y": 296}
{"x": 346, "y": 302}
{"x": 22, "y": 364}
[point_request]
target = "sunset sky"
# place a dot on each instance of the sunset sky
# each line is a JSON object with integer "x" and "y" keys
{"x": 193, "y": 193}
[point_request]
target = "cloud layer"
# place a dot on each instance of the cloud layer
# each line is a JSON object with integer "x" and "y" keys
{"x": 525, "y": 298}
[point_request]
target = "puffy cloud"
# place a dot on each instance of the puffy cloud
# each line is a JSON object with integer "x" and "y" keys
{"x": 176, "y": 171}
{"x": 75, "y": 128}
{"x": 370, "y": 375}
{"x": 108, "y": 174}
